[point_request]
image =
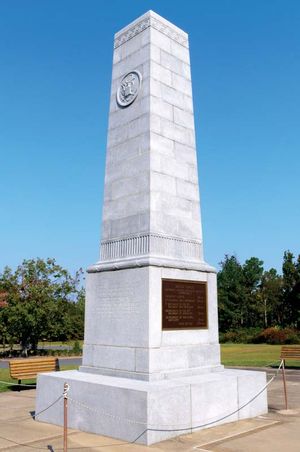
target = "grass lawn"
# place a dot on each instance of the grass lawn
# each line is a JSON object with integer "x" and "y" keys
{"x": 256, "y": 355}
{"x": 58, "y": 343}
{"x": 4, "y": 376}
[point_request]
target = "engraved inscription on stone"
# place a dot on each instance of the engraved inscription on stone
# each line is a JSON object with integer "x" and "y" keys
{"x": 118, "y": 305}
{"x": 129, "y": 88}
{"x": 184, "y": 304}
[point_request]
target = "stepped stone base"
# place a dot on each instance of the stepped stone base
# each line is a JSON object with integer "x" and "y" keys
{"x": 125, "y": 408}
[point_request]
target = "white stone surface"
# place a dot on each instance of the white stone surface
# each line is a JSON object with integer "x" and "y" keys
{"x": 135, "y": 375}
{"x": 128, "y": 303}
{"x": 125, "y": 409}
{"x": 142, "y": 167}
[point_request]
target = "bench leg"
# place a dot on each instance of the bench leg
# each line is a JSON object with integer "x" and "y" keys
{"x": 19, "y": 383}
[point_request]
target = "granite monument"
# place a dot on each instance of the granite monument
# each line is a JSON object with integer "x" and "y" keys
{"x": 151, "y": 359}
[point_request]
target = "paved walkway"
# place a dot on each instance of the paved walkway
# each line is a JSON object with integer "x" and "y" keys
{"x": 278, "y": 431}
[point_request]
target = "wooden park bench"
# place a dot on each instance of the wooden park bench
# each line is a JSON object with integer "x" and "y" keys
{"x": 27, "y": 368}
{"x": 288, "y": 352}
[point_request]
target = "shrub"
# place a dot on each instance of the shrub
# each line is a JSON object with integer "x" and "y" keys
{"x": 276, "y": 336}
{"x": 241, "y": 336}
{"x": 76, "y": 350}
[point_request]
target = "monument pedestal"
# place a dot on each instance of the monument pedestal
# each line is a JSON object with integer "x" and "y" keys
{"x": 139, "y": 382}
{"x": 149, "y": 412}
{"x": 124, "y": 335}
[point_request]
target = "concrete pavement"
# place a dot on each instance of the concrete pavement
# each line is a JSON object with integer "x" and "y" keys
{"x": 277, "y": 431}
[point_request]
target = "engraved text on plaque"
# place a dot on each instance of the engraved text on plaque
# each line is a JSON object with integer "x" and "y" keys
{"x": 184, "y": 304}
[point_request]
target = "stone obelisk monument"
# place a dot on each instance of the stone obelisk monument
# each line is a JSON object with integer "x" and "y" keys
{"x": 151, "y": 360}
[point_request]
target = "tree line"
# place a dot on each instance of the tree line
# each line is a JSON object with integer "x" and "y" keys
{"x": 250, "y": 296}
{"x": 40, "y": 300}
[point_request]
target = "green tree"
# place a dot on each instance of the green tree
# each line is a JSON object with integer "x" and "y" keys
{"x": 230, "y": 293}
{"x": 291, "y": 290}
{"x": 252, "y": 275}
{"x": 39, "y": 295}
{"x": 238, "y": 293}
{"x": 270, "y": 296}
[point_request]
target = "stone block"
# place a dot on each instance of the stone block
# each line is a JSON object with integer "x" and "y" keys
{"x": 161, "y": 144}
{"x": 177, "y": 133}
{"x": 162, "y": 223}
{"x": 138, "y": 126}
{"x": 109, "y": 357}
{"x": 179, "y": 51}
{"x": 187, "y": 190}
{"x": 155, "y": 122}
{"x": 247, "y": 388}
{"x": 155, "y": 88}
{"x": 116, "y": 302}
{"x": 131, "y": 46}
{"x": 132, "y": 62}
{"x": 174, "y": 168}
{"x": 133, "y": 224}
{"x": 193, "y": 174}
{"x": 188, "y": 227}
{"x": 219, "y": 396}
{"x": 162, "y": 183}
{"x": 195, "y": 211}
{"x": 127, "y": 186}
{"x": 160, "y": 40}
{"x": 172, "y": 63}
{"x": 129, "y": 167}
{"x": 172, "y": 96}
{"x": 183, "y": 118}
{"x": 121, "y": 152}
{"x": 126, "y": 206}
{"x": 117, "y": 136}
{"x": 182, "y": 84}
{"x": 161, "y": 109}
{"x": 155, "y": 53}
{"x": 124, "y": 408}
{"x": 161, "y": 74}
{"x": 127, "y": 131}
{"x": 139, "y": 108}
{"x": 185, "y": 153}
{"x": 171, "y": 205}
{"x": 183, "y": 360}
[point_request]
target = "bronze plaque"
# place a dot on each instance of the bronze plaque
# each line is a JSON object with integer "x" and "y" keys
{"x": 184, "y": 304}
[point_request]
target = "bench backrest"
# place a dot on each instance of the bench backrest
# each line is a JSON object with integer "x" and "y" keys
{"x": 288, "y": 352}
{"x": 29, "y": 367}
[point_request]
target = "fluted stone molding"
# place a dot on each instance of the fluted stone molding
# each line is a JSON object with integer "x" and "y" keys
{"x": 156, "y": 244}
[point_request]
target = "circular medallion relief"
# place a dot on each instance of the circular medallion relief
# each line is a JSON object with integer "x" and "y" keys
{"x": 129, "y": 88}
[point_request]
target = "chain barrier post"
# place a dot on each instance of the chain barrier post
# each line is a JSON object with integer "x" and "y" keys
{"x": 66, "y": 389}
{"x": 284, "y": 384}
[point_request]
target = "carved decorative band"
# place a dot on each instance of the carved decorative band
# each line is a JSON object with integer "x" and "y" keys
{"x": 154, "y": 244}
{"x": 131, "y": 246}
{"x": 151, "y": 22}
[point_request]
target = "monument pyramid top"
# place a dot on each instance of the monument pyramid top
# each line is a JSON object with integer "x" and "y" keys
{"x": 154, "y": 20}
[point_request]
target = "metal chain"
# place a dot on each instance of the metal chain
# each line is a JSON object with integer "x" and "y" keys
{"x": 8, "y": 383}
{"x": 103, "y": 413}
{"x": 178, "y": 428}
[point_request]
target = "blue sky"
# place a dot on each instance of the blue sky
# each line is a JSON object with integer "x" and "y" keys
{"x": 54, "y": 89}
